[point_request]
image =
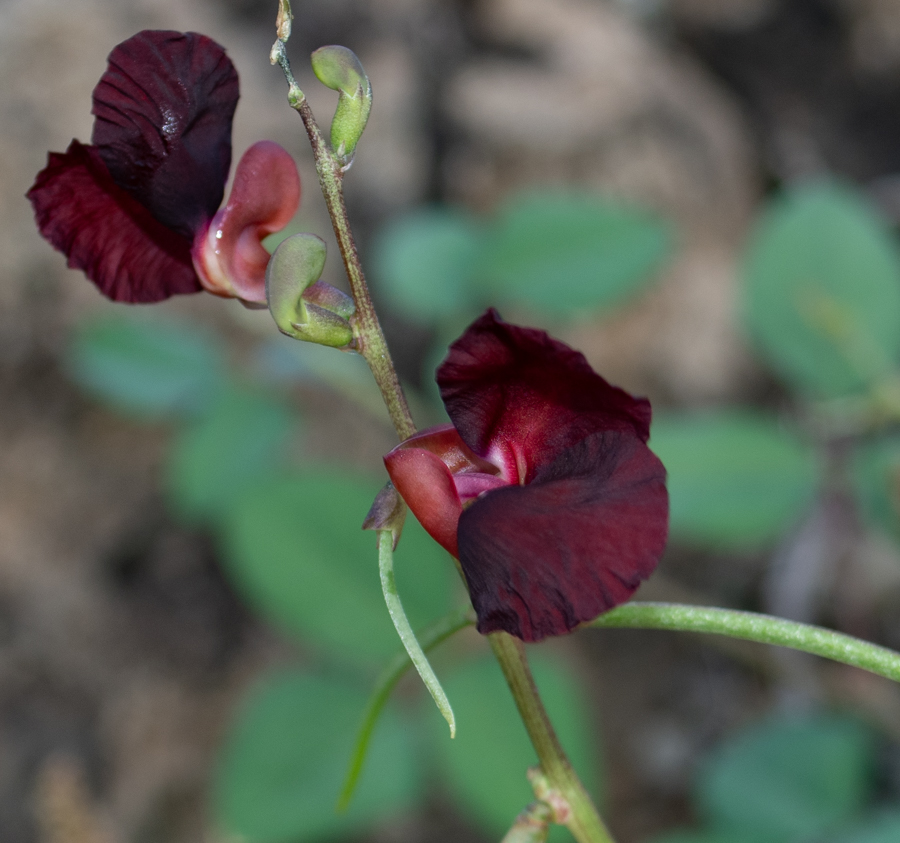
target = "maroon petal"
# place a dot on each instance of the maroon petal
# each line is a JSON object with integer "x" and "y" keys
{"x": 426, "y": 485}
{"x": 519, "y": 397}
{"x": 264, "y": 198}
{"x": 106, "y": 233}
{"x": 425, "y": 470}
{"x": 543, "y": 558}
{"x": 164, "y": 109}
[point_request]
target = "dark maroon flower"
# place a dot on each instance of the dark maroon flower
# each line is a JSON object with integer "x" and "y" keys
{"x": 543, "y": 486}
{"x": 137, "y": 210}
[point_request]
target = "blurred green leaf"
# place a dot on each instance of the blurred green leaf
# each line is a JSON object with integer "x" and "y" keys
{"x": 822, "y": 290}
{"x": 283, "y": 360}
{"x": 294, "y": 545}
{"x": 240, "y": 440}
{"x": 882, "y": 828}
{"x": 736, "y": 479}
{"x": 486, "y": 764}
{"x": 569, "y": 252}
{"x": 282, "y": 763}
{"x": 148, "y": 367}
{"x": 876, "y": 483}
{"x": 424, "y": 260}
{"x": 787, "y": 779}
{"x": 699, "y": 836}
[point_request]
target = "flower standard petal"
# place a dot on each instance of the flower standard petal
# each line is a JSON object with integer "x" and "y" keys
{"x": 542, "y": 558}
{"x": 518, "y": 397}
{"x": 164, "y": 109}
{"x": 106, "y": 233}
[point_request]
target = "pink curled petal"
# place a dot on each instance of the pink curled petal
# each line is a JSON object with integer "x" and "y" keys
{"x": 426, "y": 485}
{"x": 543, "y": 558}
{"x": 230, "y": 257}
{"x": 473, "y": 485}
{"x": 164, "y": 109}
{"x": 444, "y": 441}
{"x": 104, "y": 232}
{"x": 519, "y": 397}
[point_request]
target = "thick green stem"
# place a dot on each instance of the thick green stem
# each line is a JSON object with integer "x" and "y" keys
{"x": 370, "y": 341}
{"x": 583, "y": 820}
{"x": 754, "y": 627}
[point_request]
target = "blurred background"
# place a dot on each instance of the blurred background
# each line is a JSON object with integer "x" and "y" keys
{"x": 172, "y": 629}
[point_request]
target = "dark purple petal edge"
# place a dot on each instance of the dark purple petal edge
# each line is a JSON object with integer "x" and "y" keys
{"x": 541, "y": 559}
{"x": 105, "y": 233}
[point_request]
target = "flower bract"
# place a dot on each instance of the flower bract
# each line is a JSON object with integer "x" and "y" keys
{"x": 543, "y": 485}
{"x": 138, "y": 209}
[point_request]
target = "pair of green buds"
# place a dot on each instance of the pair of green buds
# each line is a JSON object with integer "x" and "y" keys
{"x": 302, "y": 306}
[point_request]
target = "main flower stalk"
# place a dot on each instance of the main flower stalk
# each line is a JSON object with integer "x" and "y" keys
{"x": 580, "y": 817}
{"x": 370, "y": 341}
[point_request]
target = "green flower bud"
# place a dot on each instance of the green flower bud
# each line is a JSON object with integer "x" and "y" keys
{"x": 302, "y": 306}
{"x": 339, "y": 69}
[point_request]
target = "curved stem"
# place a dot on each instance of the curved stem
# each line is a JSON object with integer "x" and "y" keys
{"x": 370, "y": 341}
{"x": 583, "y": 820}
{"x": 405, "y": 630}
{"x": 755, "y": 627}
{"x": 429, "y": 637}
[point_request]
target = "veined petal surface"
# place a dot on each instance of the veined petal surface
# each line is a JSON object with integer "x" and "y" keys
{"x": 519, "y": 398}
{"x": 106, "y": 233}
{"x": 164, "y": 109}
{"x": 578, "y": 540}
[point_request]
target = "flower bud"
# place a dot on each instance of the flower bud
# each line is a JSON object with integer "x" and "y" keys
{"x": 302, "y": 306}
{"x": 388, "y": 512}
{"x": 339, "y": 69}
{"x": 283, "y": 21}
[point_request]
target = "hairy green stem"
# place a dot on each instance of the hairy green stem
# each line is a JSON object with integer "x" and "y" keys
{"x": 583, "y": 820}
{"x": 370, "y": 341}
{"x": 755, "y": 627}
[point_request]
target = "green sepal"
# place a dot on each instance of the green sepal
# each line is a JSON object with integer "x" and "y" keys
{"x": 388, "y": 512}
{"x": 339, "y": 69}
{"x": 302, "y": 306}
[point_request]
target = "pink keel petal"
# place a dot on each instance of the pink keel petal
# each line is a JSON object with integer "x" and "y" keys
{"x": 426, "y": 485}
{"x": 543, "y": 558}
{"x": 230, "y": 257}
{"x": 471, "y": 485}
{"x": 103, "y": 231}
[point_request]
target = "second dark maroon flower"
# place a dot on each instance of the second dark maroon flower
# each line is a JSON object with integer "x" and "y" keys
{"x": 543, "y": 486}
